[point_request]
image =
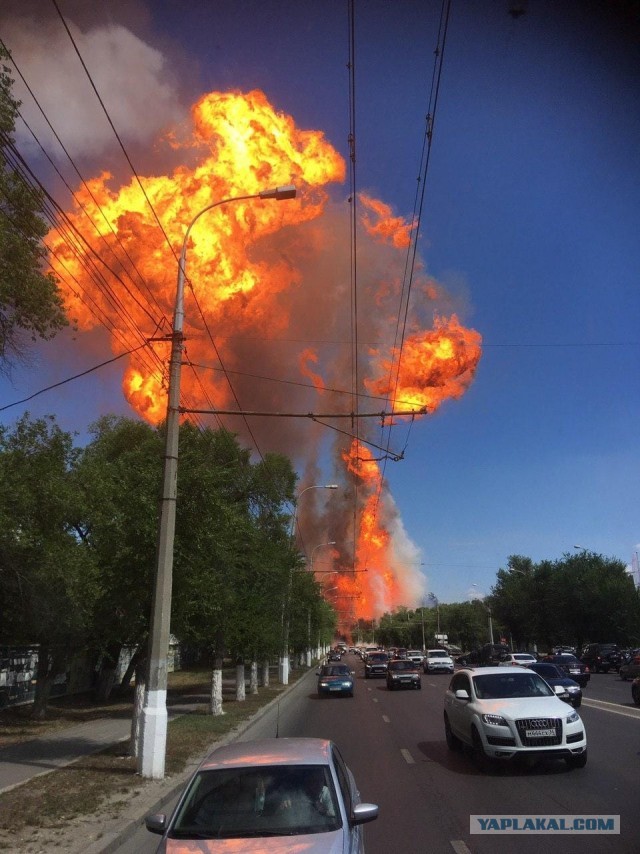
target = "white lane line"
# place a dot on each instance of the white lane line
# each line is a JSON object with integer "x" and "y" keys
{"x": 614, "y": 708}
{"x": 459, "y": 846}
{"x": 408, "y": 758}
{"x": 386, "y": 719}
{"x": 375, "y": 699}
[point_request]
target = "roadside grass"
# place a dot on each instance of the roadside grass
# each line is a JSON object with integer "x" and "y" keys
{"x": 106, "y": 781}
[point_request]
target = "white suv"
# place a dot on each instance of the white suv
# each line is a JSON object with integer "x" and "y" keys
{"x": 437, "y": 661}
{"x": 504, "y": 712}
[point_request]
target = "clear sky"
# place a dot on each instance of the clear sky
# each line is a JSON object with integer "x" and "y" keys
{"x": 531, "y": 222}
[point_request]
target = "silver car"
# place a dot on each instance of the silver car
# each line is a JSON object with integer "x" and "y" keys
{"x": 275, "y": 795}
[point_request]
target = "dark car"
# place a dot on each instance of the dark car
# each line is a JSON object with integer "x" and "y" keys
{"x": 554, "y": 675}
{"x": 601, "y": 657}
{"x": 631, "y": 666}
{"x": 376, "y": 664}
{"x": 334, "y": 655}
{"x": 573, "y": 667}
{"x": 403, "y": 673}
{"x": 635, "y": 691}
{"x": 335, "y": 679}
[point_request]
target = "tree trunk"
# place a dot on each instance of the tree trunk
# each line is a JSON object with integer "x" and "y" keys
{"x": 265, "y": 673}
{"x": 49, "y": 666}
{"x": 253, "y": 677}
{"x": 215, "y": 703}
{"x": 137, "y": 656}
{"x": 241, "y": 694}
{"x": 107, "y": 676}
{"x": 138, "y": 703}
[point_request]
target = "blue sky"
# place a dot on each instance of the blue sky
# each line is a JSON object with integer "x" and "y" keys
{"x": 531, "y": 221}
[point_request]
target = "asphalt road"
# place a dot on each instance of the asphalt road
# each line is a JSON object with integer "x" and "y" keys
{"x": 394, "y": 743}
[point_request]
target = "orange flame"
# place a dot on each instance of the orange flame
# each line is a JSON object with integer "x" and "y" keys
{"x": 435, "y": 366}
{"x": 245, "y": 265}
{"x": 242, "y": 146}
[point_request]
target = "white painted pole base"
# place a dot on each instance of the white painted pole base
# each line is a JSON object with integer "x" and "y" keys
{"x": 153, "y": 735}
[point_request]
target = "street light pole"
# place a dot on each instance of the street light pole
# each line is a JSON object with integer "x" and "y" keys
{"x": 319, "y": 546}
{"x": 283, "y": 664}
{"x": 151, "y": 759}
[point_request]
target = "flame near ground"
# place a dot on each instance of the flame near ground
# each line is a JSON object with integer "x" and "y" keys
{"x": 271, "y": 287}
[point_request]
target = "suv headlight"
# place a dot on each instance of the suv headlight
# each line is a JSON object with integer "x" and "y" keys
{"x": 494, "y": 720}
{"x": 573, "y": 718}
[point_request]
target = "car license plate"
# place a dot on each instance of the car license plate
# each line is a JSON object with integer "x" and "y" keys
{"x": 574, "y": 670}
{"x": 540, "y": 733}
{"x": 334, "y": 688}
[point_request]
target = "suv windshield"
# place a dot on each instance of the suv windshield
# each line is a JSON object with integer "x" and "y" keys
{"x": 438, "y": 654}
{"x": 495, "y": 686}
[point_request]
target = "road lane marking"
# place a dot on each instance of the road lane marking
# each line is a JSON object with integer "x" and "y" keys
{"x": 459, "y": 846}
{"x": 386, "y": 719}
{"x": 408, "y": 758}
{"x": 375, "y": 699}
{"x": 615, "y": 708}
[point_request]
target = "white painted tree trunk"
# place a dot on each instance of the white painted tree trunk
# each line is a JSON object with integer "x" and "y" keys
{"x": 215, "y": 704}
{"x": 241, "y": 693}
{"x": 253, "y": 677}
{"x": 136, "y": 720}
{"x": 265, "y": 673}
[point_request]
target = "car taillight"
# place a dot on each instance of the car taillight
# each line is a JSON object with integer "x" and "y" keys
{"x": 586, "y": 668}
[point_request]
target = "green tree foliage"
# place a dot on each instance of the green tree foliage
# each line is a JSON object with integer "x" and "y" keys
{"x": 48, "y": 577}
{"x": 580, "y": 598}
{"x": 30, "y": 304}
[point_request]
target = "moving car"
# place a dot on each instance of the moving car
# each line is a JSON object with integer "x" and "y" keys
{"x": 554, "y": 675}
{"x": 277, "y": 794}
{"x": 522, "y": 659}
{"x": 375, "y": 664}
{"x": 631, "y": 667}
{"x": 415, "y": 655}
{"x": 334, "y": 655}
{"x": 601, "y": 657}
{"x": 437, "y": 661}
{"x": 573, "y": 667}
{"x": 335, "y": 679}
{"x": 403, "y": 673}
{"x": 508, "y": 712}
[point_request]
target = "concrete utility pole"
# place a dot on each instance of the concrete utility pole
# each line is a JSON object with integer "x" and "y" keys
{"x": 151, "y": 760}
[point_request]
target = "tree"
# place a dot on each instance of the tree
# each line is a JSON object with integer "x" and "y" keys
{"x": 48, "y": 576}
{"x": 30, "y": 304}
{"x": 119, "y": 473}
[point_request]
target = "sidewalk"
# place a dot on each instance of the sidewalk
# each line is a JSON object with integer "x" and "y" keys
{"x": 27, "y": 760}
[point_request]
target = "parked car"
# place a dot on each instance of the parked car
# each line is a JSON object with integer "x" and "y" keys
{"x": 635, "y": 690}
{"x": 297, "y": 792}
{"x": 335, "y": 679}
{"x": 415, "y": 655}
{"x": 437, "y": 661}
{"x": 554, "y": 675}
{"x": 574, "y": 668}
{"x": 522, "y": 659}
{"x": 375, "y": 664}
{"x": 631, "y": 667}
{"x": 508, "y": 712}
{"x": 601, "y": 657}
{"x": 403, "y": 673}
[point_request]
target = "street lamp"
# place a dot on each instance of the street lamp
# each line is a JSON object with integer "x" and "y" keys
{"x": 283, "y": 664}
{"x": 315, "y": 548}
{"x": 154, "y": 712}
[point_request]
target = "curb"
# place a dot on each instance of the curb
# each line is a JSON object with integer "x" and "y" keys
{"x": 111, "y": 840}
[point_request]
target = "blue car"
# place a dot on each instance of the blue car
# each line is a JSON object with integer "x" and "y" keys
{"x": 335, "y": 679}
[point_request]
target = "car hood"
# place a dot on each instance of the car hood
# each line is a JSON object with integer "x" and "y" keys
{"x": 345, "y": 677}
{"x": 525, "y": 707}
{"x": 313, "y": 843}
